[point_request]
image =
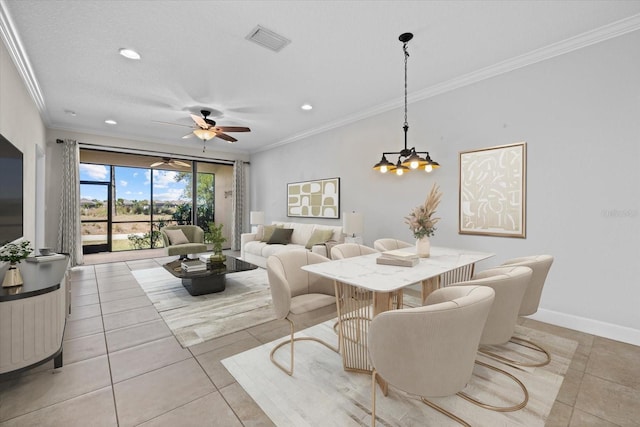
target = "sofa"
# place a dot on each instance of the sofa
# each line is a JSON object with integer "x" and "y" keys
{"x": 256, "y": 251}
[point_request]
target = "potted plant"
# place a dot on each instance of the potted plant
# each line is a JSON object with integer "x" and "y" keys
{"x": 13, "y": 253}
{"x": 214, "y": 236}
{"x": 422, "y": 222}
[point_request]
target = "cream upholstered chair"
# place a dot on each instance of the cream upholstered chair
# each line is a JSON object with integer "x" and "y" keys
{"x": 430, "y": 350}
{"x": 390, "y": 244}
{"x": 193, "y": 245}
{"x": 297, "y": 293}
{"x": 540, "y": 264}
{"x": 348, "y": 250}
{"x": 510, "y": 285}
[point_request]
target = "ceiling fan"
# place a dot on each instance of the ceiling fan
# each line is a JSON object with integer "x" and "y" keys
{"x": 206, "y": 128}
{"x": 170, "y": 162}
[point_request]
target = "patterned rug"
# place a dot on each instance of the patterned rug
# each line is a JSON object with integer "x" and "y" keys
{"x": 245, "y": 302}
{"x": 321, "y": 392}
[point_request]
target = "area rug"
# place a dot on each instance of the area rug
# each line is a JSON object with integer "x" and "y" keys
{"x": 322, "y": 393}
{"x": 245, "y": 302}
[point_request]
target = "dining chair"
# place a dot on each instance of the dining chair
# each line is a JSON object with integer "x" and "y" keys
{"x": 509, "y": 284}
{"x": 388, "y": 244}
{"x": 298, "y": 295}
{"x": 348, "y": 250}
{"x": 429, "y": 351}
{"x": 540, "y": 264}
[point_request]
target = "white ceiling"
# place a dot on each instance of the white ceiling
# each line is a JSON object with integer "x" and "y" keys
{"x": 344, "y": 58}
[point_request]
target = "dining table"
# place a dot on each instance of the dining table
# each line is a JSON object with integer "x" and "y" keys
{"x": 364, "y": 289}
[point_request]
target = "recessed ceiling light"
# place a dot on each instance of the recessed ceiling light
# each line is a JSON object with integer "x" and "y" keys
{"x": 111, "y": 122}
{"x": 307, "y": 107}
{"x": 129, "y": 53}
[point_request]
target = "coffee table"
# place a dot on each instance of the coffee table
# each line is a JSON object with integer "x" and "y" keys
{"x": 212, "y": 279}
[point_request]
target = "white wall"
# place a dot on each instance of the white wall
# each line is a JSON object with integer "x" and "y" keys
{"x": 579, "y": 114}
{"x": 20, "y": 123}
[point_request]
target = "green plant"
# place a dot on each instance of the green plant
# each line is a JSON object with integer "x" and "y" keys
{"x": 14, "y": 253}
{"x": 214, "y": 235}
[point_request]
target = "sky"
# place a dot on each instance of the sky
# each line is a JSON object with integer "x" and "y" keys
{"x": 131, "y": 183}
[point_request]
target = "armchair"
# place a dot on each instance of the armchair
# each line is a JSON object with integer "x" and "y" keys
{"x": 177, "y": 246}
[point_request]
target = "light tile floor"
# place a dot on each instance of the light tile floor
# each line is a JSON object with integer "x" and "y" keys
{"x": 123, "y": 367}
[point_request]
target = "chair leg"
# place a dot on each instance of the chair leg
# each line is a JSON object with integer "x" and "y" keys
{"x": 291, "y": 340}
{"x": 425, "y": 401}
{"x": 445, "y": 412}
{"x": 499, "y": 408}
{"x": 522, "y": 342}
{"x": 373, "y": 398}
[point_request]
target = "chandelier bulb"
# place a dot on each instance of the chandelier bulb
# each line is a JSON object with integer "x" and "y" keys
{"x": 399, "y": 171}
{"x": 383, "y": 169}
{"x": 428, "y": 168}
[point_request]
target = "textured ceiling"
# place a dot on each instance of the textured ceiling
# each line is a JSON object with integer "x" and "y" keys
{"x": 344, "y": 58}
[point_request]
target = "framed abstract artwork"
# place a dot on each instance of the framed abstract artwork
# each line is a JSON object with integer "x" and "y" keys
{"x": 493, "y": 191}
{"x": 314, "y": 199}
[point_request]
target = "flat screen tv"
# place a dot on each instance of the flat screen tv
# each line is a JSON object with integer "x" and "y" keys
{"x": 10, "y": 192}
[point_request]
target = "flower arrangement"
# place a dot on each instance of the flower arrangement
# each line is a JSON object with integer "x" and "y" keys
{"x": 421, "y": 220}
{"x": 14, "y": 253}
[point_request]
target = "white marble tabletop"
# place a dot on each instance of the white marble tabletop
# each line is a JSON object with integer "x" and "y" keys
{"x": 363, "y": 271}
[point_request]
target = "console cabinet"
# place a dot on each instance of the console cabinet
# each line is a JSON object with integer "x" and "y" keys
{"x": 33, "y": 316}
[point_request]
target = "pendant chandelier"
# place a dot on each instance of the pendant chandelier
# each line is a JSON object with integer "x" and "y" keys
{"x": 408, "y": 158}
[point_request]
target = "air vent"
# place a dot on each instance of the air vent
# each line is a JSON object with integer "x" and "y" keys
{"x": 268, "y": 39}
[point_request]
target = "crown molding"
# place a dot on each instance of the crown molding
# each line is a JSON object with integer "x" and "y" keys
{"x": 600, "y": 34}
{"x": 20, "y": 59}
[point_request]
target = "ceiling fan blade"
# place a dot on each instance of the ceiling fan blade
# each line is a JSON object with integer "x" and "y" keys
{"x": 171, "y": 124}
{"x": 189, "y": 135}
{"x": 200, "y": 121}
{"x": 181, "y": 163}
{"x": 153, "y": 165}
{"x": 232, "y": 129}
{"x": 225, "y": 137}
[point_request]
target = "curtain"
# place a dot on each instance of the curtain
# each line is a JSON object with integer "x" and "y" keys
{"x": 69, "y": 239}
{"x": 238, "y": 209}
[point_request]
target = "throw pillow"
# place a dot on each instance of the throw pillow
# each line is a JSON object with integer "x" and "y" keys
{"x": 260, "y": 232}
{"x": 281, "y": 236}
{"x": 267, "y": 231}
{"x": 318, "y": 237}
{"x": 176, "y": 237}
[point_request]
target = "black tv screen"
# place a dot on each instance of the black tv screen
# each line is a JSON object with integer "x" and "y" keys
{"x": 10, "y": 192}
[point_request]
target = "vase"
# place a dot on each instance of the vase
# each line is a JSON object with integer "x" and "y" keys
{"x": 423, "y": 247}
{"x": 12, "y": 277}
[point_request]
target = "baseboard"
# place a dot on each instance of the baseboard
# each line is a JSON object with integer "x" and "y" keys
{"x": 590, "y": 326}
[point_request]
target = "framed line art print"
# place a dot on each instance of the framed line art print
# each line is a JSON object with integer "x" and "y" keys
{"x": 493, "y": 191}
{"x": 314, "y": 199}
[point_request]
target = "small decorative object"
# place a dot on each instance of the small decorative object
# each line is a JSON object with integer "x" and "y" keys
{"x": 214, "y": 235}
{"x": 422, "y": 223}
{"x": 14, "y": 253}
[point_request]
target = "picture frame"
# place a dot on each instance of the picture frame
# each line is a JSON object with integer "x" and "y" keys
{"x": 492, "y": 191}
{"x": 314, "y": 199}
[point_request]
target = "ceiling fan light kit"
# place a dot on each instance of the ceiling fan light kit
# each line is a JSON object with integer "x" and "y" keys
{"x": 206, "y": 129}
{"x": 408, "y": 158}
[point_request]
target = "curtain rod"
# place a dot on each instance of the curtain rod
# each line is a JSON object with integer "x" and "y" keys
{"x": 150, "y": 153}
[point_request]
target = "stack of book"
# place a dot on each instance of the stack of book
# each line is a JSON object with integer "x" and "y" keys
{"x": 398, "y": 257}
{"x": 193, "y": 265}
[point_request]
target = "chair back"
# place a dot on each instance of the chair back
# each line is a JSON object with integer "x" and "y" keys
{"x": 430, "y": 350}
{"x": 540, "y": 264}
{"x": 390, "y": 244}
{"x": 349, "y": 250}
{"x": 287, "y": 280}
{"x": 509, "y": 284}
